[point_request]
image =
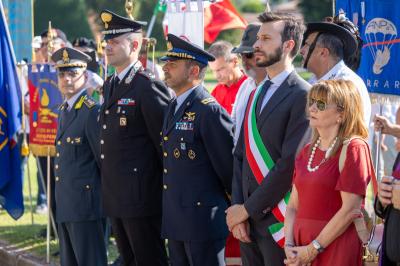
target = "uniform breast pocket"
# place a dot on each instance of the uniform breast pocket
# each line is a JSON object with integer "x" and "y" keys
{"x": 77, "y": 143}
{"x": 125, "y": 117}
{"x": 185, "y": 144}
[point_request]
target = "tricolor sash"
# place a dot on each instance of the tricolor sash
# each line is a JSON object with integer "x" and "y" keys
{"x": 261, "y": 162}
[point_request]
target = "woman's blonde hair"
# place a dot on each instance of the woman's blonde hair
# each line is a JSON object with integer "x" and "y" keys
{"x": 345, "y": 95}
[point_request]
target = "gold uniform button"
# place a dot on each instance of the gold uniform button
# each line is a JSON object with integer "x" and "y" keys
{"x": 165, "y": 154}
{"x": 165, "y": 187}
{"x": 58, "y": 154}
{"x": 57, "y": 178}
{"x": 56, "y": 166}
{"x": 165, "y": 171}
{"x": 68, "y": 139}
{"x": 165, "y": 138}
{"x": 198, "y": 203}
{"x": 87, "y": 186}
{"x": 59, "y": 142}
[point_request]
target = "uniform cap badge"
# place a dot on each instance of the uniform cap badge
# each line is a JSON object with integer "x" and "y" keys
{"x": 65, "y": 56}
{"x": 106, "y": 17}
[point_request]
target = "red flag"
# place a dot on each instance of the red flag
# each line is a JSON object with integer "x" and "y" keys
{"x": 221, "y": 16}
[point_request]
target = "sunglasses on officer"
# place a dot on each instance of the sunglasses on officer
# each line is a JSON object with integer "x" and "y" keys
{"x": 321, "y": 105}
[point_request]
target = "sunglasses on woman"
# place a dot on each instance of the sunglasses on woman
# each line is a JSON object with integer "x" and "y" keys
{"x": 321, "y": 105}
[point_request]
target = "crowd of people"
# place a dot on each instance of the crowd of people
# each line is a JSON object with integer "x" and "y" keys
{"x": 256, "y": 162}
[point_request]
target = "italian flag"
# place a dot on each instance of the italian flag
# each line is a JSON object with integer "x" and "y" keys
{"x": 260, "y": 162}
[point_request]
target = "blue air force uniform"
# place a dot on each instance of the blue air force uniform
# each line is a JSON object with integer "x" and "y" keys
{"x": 77, "y": 175}
{"x": 197, "y": 149}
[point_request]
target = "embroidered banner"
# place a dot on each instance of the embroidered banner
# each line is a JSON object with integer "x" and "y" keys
{"x": 379, "y": 23}
{"x": 45, "y": 99}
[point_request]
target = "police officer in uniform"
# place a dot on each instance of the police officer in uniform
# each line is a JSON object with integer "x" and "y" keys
{"x": 131, "y": 120}
{"x": 197, "y": 148}
{"x": 77, "y": 174}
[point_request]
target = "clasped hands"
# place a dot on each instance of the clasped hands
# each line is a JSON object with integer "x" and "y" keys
{"x": 237, "y": 221}
{"x": 300, "y": 256}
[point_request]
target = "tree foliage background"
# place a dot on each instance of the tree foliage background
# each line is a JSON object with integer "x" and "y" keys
{"x": 73, "y": 16}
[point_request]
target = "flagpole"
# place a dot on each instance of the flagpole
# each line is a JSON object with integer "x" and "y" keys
{"x": 152, "y": 22}
{"x": 24, "y": 145}
{"x": 333, "y": 8}
{"x": 48, "y": 207}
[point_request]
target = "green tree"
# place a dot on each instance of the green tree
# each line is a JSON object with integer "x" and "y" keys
{"x": 316, "y": 10}
{"x": 67, "y": 15}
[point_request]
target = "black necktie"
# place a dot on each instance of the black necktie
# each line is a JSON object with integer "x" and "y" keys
{"x": 64, "y": 113}
{"x": 171, "y": 112}
{"x": 260, "y": 99}
{"x": 114, "y": 85}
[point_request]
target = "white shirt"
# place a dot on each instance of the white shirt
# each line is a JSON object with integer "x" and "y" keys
{"x": 239, "y": 106}
{"x": 181, "y": 98}
{"x": 276, "y": 83}
{"x": 125, "y": 71}
{"x": 341, "y": 71}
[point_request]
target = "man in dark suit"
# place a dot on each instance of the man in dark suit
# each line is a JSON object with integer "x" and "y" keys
{"x": 275, "y": 123}
{"x": 197, "y": 148}
{"x": 76, "y": 166}
{"x": 131, "y": 120}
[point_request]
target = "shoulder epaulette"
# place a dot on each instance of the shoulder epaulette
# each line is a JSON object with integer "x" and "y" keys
{"x": 208, "y": 100}
{"x": 78, "y": 105}
{"x": 89, "y": 102}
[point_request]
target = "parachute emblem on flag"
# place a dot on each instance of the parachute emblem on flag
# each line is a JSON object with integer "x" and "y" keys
{"x": 380, "y": 34}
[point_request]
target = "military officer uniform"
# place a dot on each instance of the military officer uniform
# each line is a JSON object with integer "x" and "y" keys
{"x": 197, "y": 143}
{"x": 77, "y": 175}
{"x": 131, "y": 119}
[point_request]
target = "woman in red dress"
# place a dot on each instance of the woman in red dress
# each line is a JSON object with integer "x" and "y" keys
{"x": 319, "y": 229}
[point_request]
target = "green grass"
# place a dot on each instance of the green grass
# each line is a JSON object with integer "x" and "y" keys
{"x": 22, "y": 234}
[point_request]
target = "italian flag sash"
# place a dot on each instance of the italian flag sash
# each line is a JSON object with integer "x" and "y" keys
{"x": 260, "y": 162}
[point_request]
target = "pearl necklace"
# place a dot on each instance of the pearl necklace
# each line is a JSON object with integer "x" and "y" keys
{"x": 328, "y": 152}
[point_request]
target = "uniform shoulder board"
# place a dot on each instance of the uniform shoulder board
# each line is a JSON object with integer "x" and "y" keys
{"x": 89, "y": 102}
{"x": 208, "y": 100}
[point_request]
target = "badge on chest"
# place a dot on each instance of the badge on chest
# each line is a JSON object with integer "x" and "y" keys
{"x": 186, "y": 123}
{"x": 123, "y": 122}
{"x": 126, "y": 101}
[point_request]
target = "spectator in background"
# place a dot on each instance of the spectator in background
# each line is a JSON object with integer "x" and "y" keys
{"x": 227, "y": 71}
{"x": 94, "y": 82}
{"x": 385, "y": 206}
{"x": 255, "y": 75}
{"x": 326, "y": 45}
{"x": 59, "y": 40}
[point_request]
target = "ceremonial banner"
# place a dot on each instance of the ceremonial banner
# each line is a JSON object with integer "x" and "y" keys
{"x": 379, "y": 22}
{"x": 45, "y": 99}
{"x": 10, "y": 122}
